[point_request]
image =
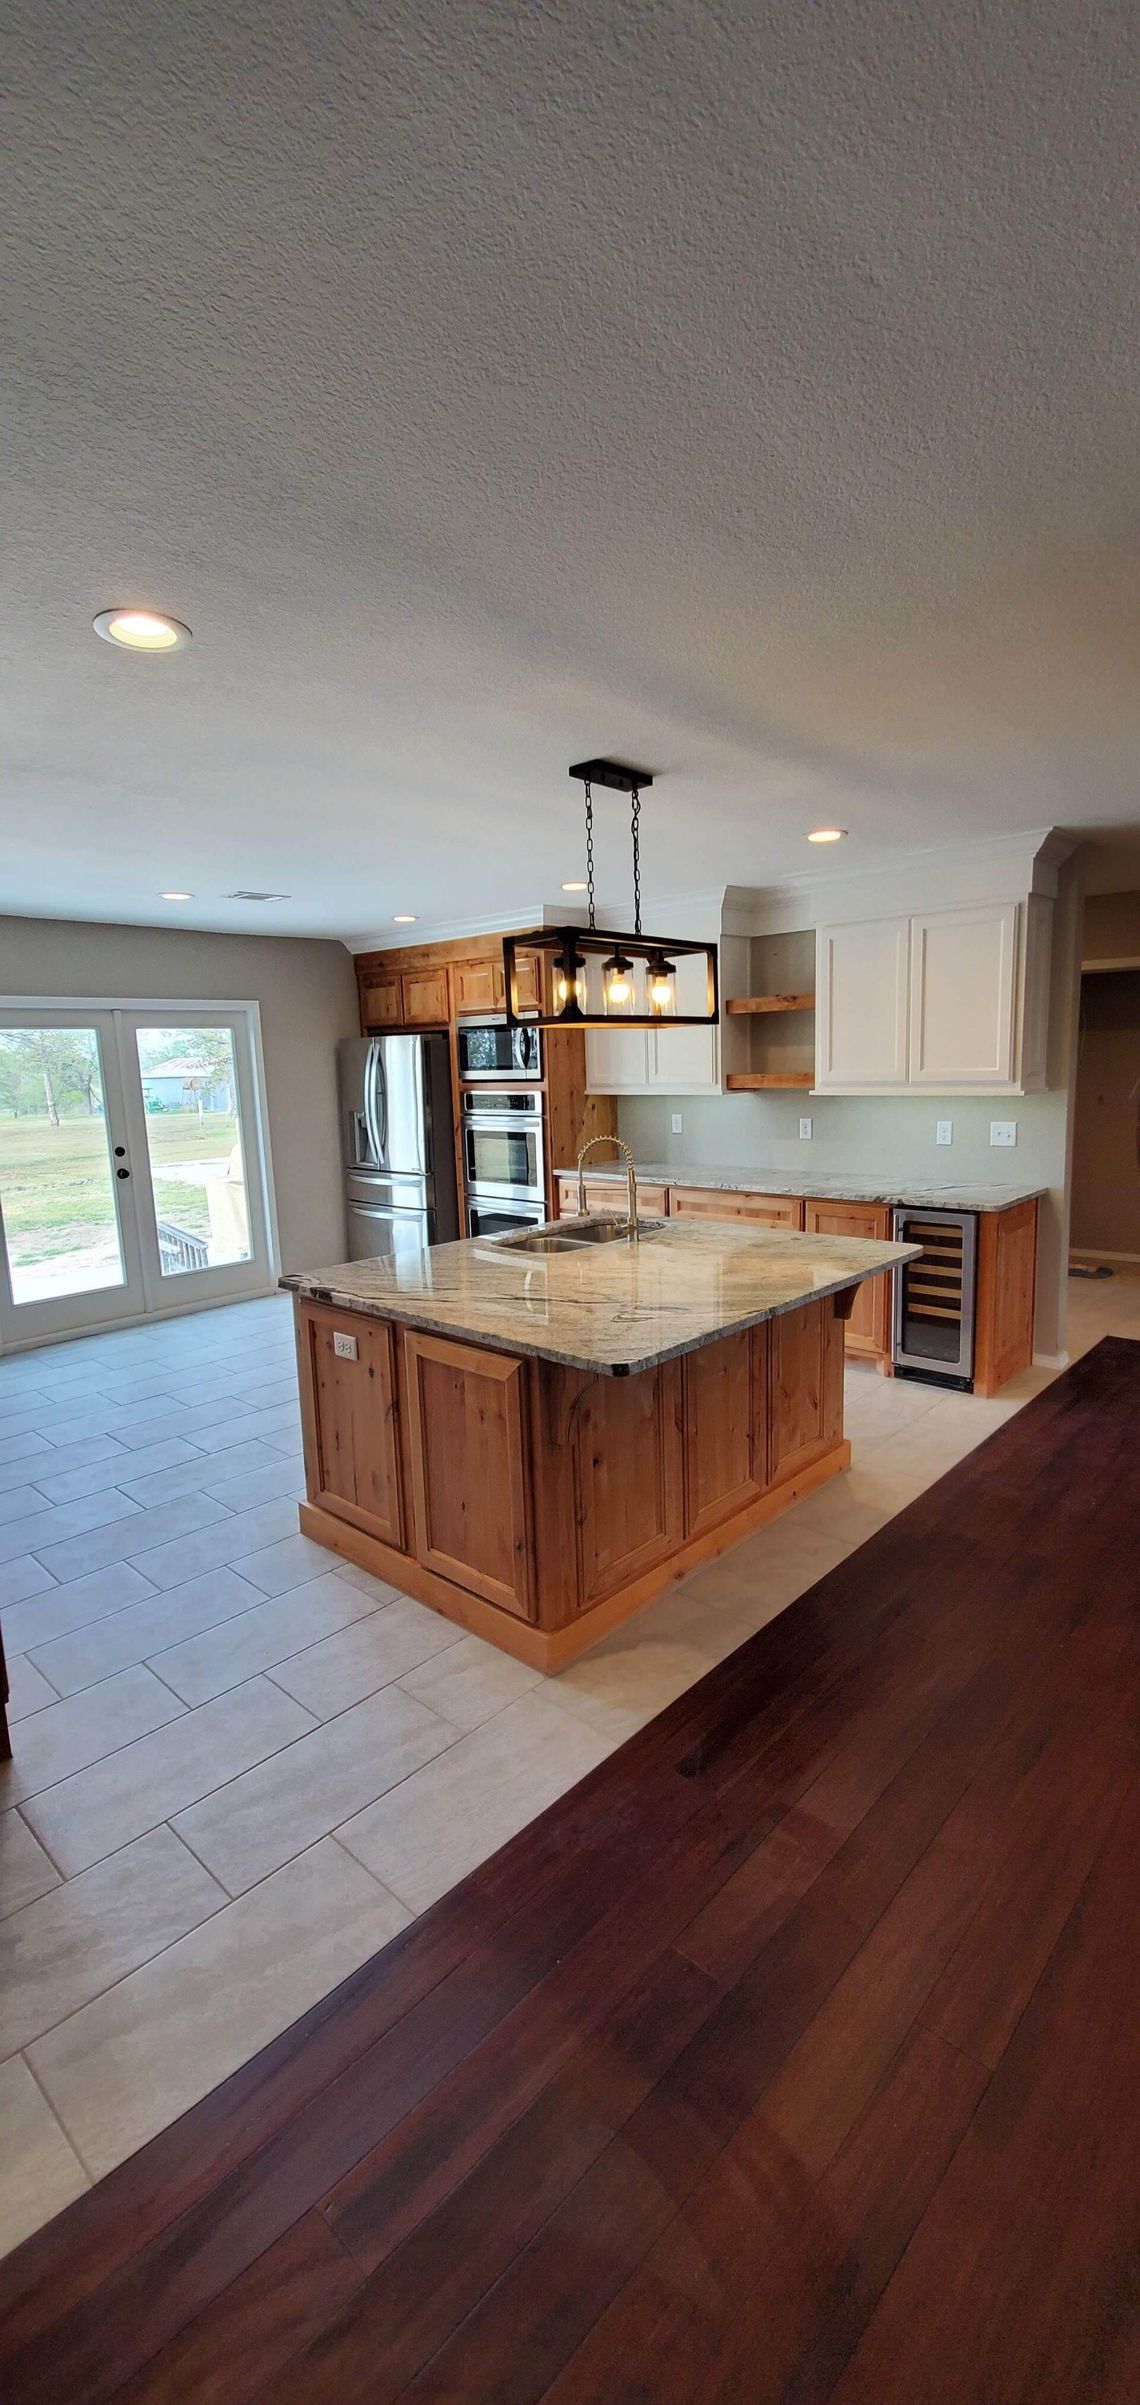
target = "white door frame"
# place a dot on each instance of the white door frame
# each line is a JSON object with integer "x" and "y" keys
{"x": 146, "y": 1294}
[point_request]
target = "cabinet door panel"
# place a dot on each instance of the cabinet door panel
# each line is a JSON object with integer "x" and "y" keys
{"x": 473, "y": 987}
{"x": 963, "y": 966}
{"x": 805, "y": 1386}
{"x": 868, "y": 1331}
{"x": 627, "y": 1479}
{"x": 352, "y": 1459}
{"x": 425, "y": 997}
{"x": 686, "y": 1060}
{"x": 724, "y": 1417}
{"x": 861, "y": 1005}
{"x": 470, "y": 1469}
{"x": 381, "y": 1003}
{"x": 617, "y": 1060}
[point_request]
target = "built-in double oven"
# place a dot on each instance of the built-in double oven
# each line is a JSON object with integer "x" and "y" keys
{"x": 503, "y": 1154}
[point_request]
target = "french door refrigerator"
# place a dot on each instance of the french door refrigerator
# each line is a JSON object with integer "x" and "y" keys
{"x": 397, "y": 1144}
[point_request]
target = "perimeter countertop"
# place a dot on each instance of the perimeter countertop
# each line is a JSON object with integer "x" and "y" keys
{"x": 611, "y": 1308}
{"x": 915, "y": 1194}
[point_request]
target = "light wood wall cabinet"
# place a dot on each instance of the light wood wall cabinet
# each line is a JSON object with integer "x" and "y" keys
{"x": 949, "y": 1001}
{"x": 869, "y": 1325}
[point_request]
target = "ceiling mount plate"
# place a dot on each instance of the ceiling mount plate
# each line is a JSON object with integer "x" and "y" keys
{"x": 613, "y": 773}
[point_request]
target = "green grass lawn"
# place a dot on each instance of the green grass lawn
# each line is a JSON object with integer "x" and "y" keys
{"x": 55, "y": 1183}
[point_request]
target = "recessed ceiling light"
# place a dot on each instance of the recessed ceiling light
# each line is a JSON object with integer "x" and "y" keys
{"x": 574, "y": 885}
{"x": 404, "y": 918}
{"x": 827, "y": 834}
{"x": 141, "y": 630}
{"x": 171, "y": 897}
{"x": 246, "y": 893}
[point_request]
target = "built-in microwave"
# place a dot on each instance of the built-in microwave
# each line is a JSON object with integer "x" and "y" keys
{"x": 502, "y": 1146}
{"x": 490, "y": 1050}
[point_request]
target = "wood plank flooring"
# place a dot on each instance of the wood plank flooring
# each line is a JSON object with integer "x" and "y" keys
{"x": 792, "y": 2056}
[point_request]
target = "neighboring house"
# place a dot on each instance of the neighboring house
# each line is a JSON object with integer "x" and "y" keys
{"x": 177, "y": 1085}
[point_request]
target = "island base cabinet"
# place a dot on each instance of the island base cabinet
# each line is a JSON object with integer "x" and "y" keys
{"x": 869, "y": 1324}
{"x": 349, "y": 1418}
{"x": 538, "y": 1505}
{"x": 470, "y": 1470}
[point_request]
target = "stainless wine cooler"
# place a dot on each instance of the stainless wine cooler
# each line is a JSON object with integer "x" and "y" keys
{"x": 934, "y": 1297}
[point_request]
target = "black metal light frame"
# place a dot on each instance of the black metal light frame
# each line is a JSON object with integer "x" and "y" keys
{"x": 564, "y": 951}
{"x": 567, "y": 949}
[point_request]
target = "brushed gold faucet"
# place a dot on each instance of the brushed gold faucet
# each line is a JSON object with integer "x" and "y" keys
{"x": 631, "y": 1175}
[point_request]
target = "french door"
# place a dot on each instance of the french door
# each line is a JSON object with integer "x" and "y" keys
{"x": 132, "y": 1166}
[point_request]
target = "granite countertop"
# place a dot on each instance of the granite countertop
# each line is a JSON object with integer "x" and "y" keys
{"x": 916, "y": 1193}
{"x": 610, "y": 1308}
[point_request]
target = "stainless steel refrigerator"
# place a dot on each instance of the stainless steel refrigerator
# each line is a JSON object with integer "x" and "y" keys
{"x": 397, "y": 1144}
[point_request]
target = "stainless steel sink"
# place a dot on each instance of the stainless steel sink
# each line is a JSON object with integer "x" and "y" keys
{"x": 573, "y": 1234}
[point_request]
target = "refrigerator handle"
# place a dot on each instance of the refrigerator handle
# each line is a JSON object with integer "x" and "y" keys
{"x": 370, "y": 1119}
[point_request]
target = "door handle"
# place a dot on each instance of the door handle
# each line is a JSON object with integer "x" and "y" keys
{"x": 122, "y": 1173}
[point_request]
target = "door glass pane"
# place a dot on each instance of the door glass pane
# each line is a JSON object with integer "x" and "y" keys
{"x": 57, "y": 1188}
{"x": 197, "y": 1163}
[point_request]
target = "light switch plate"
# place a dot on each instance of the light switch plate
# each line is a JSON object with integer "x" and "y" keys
{"x": 677, "y": 1123}
{"x": 1003, "y": 1131}
{"x": 344, "y": 1346}
{"x": 944, "y": 1132}
{"x": 805, "y": 1128}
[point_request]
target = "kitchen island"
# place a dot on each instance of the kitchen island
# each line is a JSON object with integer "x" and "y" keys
{"x": 537, "y": 1441}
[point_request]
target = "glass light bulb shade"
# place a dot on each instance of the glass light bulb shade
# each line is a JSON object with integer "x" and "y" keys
{"x": 662, "y": 987}
{"x": 617, "y": 986}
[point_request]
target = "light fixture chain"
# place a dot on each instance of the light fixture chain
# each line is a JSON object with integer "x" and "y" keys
{"x": 590, "y": 846}
{"x": 635, "y": 824}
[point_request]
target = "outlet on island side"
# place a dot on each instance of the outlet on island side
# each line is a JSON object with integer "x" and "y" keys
{"x": 344, "y": 1346}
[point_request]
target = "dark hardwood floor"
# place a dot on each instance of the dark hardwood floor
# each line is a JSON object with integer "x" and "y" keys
{"x": 793, "y": 2056}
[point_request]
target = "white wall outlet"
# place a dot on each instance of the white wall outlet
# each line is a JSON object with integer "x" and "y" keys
{"x": 677, "y": 1123}
{"x": 1003, "y": 1131}
{"x": 944, "y": 1131}
{"x": 344, "y": 1346}
{"x": 805, "y": 1129}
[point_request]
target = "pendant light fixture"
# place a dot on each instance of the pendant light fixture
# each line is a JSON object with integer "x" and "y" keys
{"x": 592, "y": 976}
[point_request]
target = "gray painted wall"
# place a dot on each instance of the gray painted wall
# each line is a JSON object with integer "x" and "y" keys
{"x": 307, "y": 994}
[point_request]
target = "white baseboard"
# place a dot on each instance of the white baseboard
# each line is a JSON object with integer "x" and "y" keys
{"x": 1050, "y": 1361}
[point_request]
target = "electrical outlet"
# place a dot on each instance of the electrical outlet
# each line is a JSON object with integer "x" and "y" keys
{"x": 344, "y": 1346}
{"x": 677, "y": 1123}
{"x": 944, "y": 1132}
{"x": 1003, "y": 1131}
{"x": 805, "y": 1129}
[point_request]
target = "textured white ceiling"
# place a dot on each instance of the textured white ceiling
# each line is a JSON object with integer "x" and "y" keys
{"x": 745, "y": 389}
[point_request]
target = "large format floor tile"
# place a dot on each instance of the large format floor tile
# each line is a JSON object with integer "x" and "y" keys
{"x": 39, "y": 2171}
{"x": 59, "y": 1952}
{"x": 162, "y": 2038}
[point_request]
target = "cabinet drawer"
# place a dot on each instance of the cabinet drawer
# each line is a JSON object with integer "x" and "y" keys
{"x": 607, "y": 1197}
{"x": 425, "y": 998}
{"x": 381, "y": 1003}
{"x": 763, "y": 1210}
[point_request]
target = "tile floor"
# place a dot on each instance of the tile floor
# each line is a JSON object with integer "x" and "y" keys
{"x": 240, "y": 1768}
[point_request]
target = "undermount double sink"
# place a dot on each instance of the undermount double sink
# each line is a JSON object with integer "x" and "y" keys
{"x": 572, "y": 1234}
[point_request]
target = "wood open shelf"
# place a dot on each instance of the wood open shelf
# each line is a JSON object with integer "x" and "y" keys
{"x": 747, "y": 1081}
{"x": 746, "y": 1003}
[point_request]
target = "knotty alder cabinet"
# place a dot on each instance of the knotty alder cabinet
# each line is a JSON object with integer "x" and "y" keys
{"x": 539, "y": 1505}
{"x": 431, "y": 984}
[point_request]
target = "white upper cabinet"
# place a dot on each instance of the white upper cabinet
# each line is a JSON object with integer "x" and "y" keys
{"x": 962, "y": 968}
{"x": 948, "y": 1001}
{"x": 861, "y": 1006}
{"x": 656, "y": 1060}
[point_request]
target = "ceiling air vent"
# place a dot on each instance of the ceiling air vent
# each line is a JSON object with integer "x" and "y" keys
{"x": 243, "y": 894}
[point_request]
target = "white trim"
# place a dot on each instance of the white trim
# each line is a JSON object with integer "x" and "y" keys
{"x": 1088, "y": 1252}
{"x": 1051, "y": 1361}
